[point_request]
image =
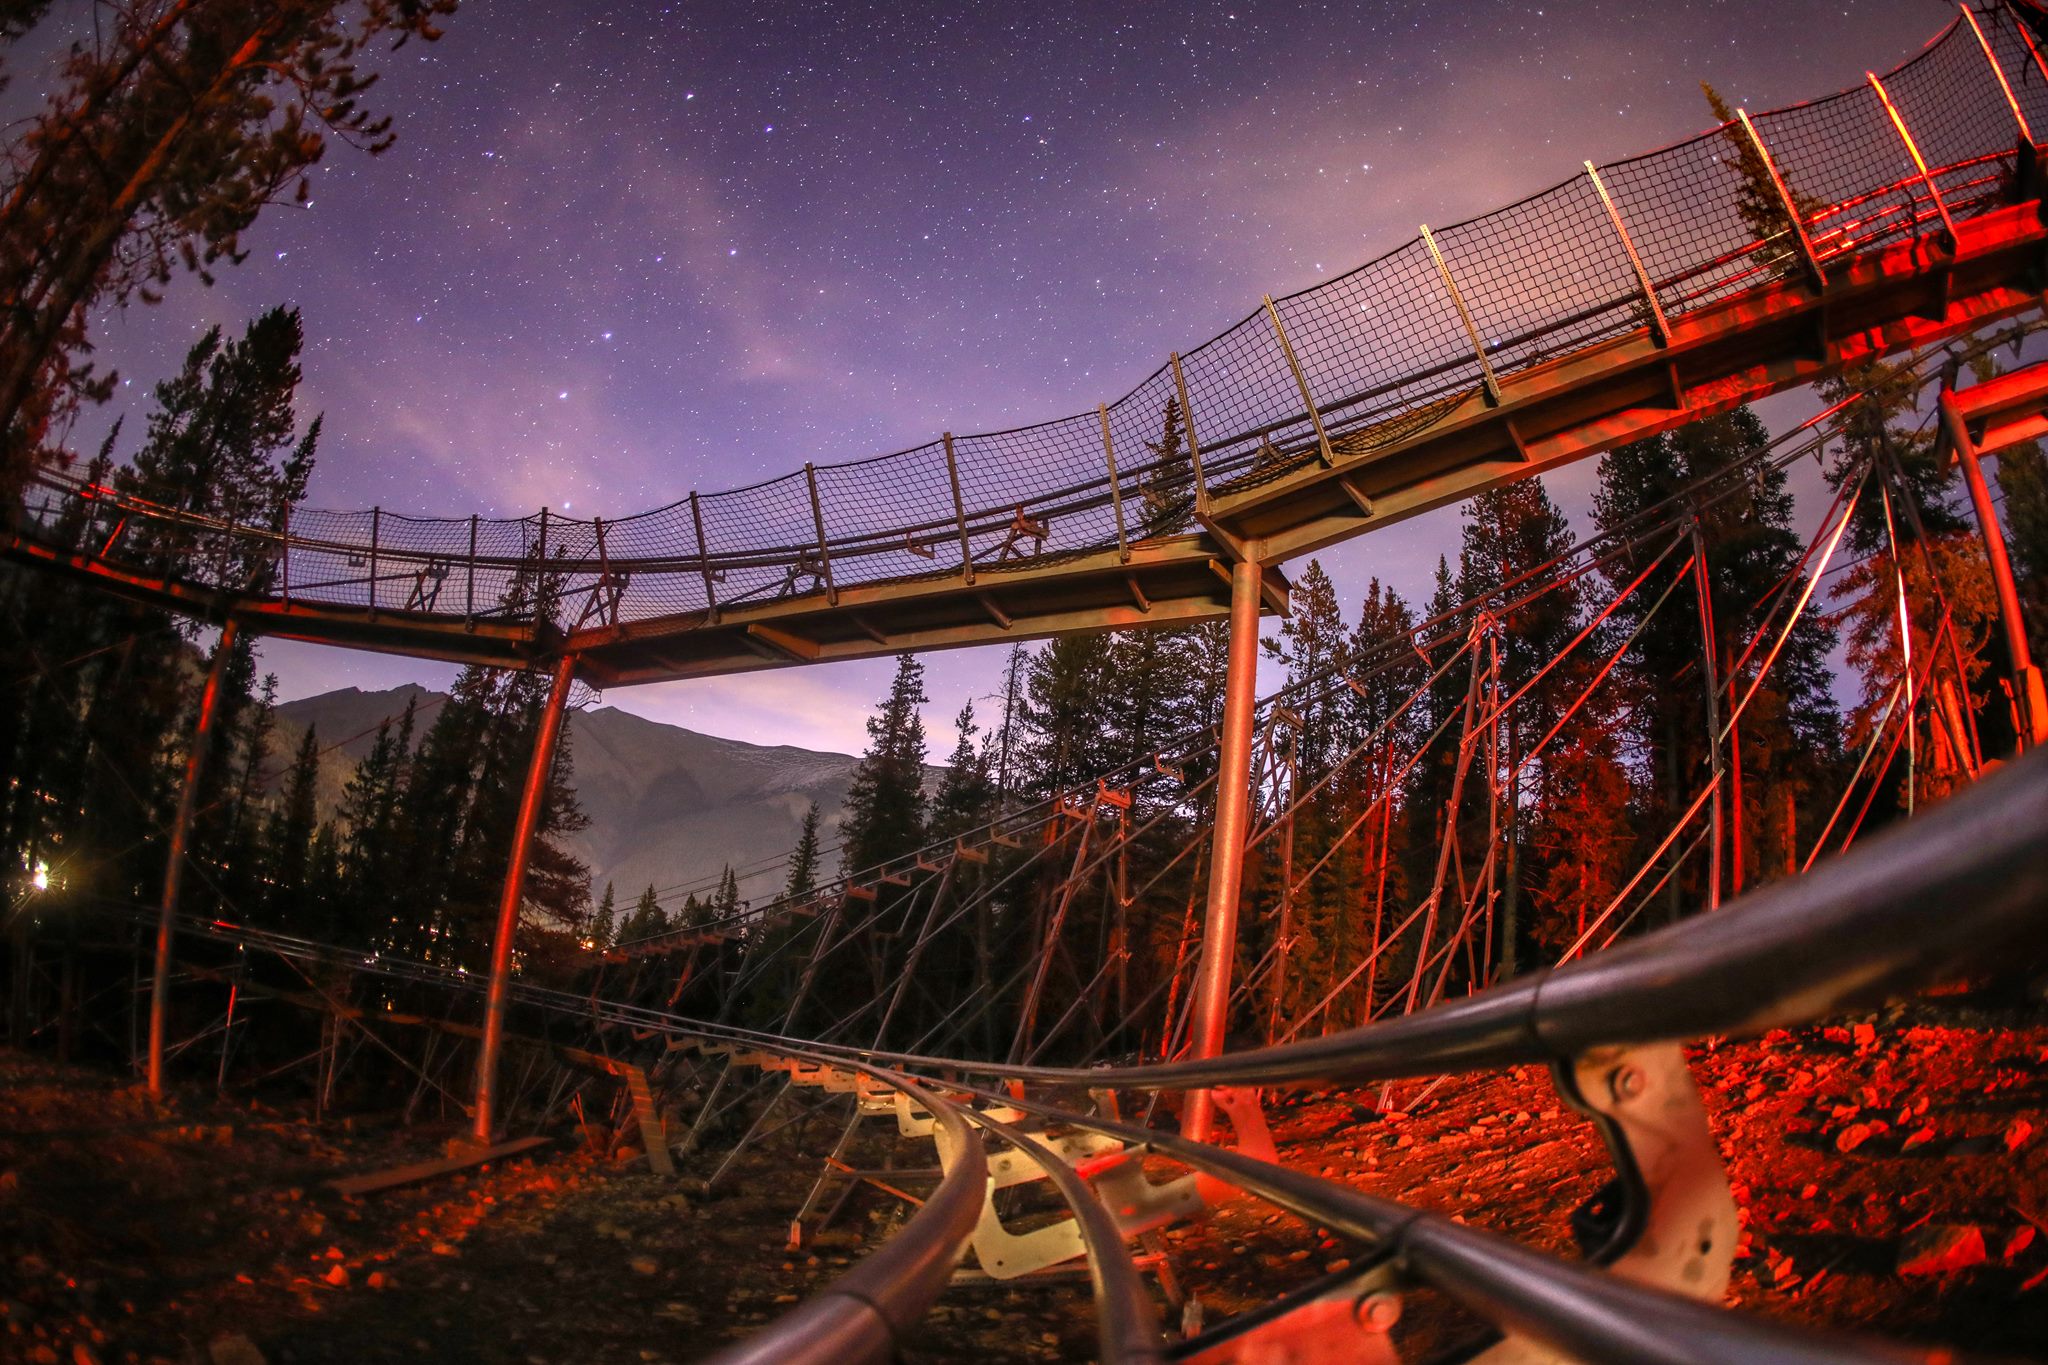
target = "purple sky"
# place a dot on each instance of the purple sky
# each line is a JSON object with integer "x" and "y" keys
{"x": 625, "y": 250}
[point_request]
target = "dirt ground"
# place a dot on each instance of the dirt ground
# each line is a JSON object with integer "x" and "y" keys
{"x": 1892, "y": 1172}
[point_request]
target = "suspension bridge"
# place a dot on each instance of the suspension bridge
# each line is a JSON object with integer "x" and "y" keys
{"x": 1901, "y": 216}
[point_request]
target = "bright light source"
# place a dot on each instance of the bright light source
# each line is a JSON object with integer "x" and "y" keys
{"x": 40, "y": 878}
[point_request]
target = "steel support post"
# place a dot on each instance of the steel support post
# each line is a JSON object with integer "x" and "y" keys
{"x": 376, "y": 528}
{"x": 1802, "y": 245}
{"x": 538, "y": 771}
{"x": 1653, "y": 308}
{"x": 818, "y": 520}
{"x": 174, "y": 860}
{"x": 1443, "y": 271}
{"x": 1970, "y": 18}
{"x": 1948, "y": 226}
{"x": 1116, "y": 492}
{"x": 1710, "y": 671}
{"x": 469, "y": 600}
{"x": 959, "y": 511}
{"x": 1308, "y": 400}
{"x": 1187, "y": 424}
{"x": 284, "y": 555}
{"x": 2029, "y": 697}
{"x": 1211, "y": 998}
{"x": 2032, "y": 51}
{"x": 704, "y": 560}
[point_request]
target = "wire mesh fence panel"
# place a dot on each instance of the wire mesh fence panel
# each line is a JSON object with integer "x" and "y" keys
{"x": 424, "y": 563}
{"x": 1248, "y": 413}
{"x": 1036, "y": 491}
{"x": 2022, "y": 67}
{"x": 891, "y": 516}
{"x": 1847, "y": 171}
{"x": 1544, "y": 276}
{"x": 1156, "y": 471}
{"x": 1380, "y": 348}
{"x": 1683, "y": 211}
{"x": 1949, "y": 100}
{"x": 763, "y": 542}
{"x": 331, "y": 556}
{"x": 666, "y": 576}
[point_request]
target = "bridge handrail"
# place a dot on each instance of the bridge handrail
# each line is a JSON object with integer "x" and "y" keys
{"x": 1381, "y": 349}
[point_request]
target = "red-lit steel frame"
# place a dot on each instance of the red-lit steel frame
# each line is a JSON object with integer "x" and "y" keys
{"x": 174, "y": 858}
{"x": 1983, "y": 420}
{"x": 538, "y": 770}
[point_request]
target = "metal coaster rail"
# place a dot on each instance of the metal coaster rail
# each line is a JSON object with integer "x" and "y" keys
{"x": 1862, "y": 933}
{"x": 1627, "y": 300}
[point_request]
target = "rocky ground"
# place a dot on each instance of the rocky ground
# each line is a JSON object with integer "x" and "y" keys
{"x": 1892, "y": 1172}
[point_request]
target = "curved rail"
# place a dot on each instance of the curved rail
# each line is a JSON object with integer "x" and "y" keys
{"x": 864, "y": 1314}
{"x": 1864, "y": 926}
{"x": 1620, "y": 302}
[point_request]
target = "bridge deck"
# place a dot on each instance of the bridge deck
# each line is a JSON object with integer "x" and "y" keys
{"x": 1610, "y": 307}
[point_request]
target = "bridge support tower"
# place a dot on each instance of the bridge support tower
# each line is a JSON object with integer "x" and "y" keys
{"x": 1211, "y": 1009}
{"x": 538, "y": 770}
{"x": 2030, "y": 702}
{"x": 174, "y": 860}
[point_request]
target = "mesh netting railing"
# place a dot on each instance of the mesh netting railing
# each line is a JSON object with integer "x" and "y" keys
{"x": 1383, "y": 352}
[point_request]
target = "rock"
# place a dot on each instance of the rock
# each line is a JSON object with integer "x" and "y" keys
{"x": 2016, "y": 1136}
{"x": 2022, "y": 1238}
{"x": 337, "y": 1276}
{"x": 234, "y": 1349}
{"x": 1919, "y": 1139}
{"x": 1941, "y": 1248}
{"x": 1852, "y": 1137}
{"x": 643, "y": 1265}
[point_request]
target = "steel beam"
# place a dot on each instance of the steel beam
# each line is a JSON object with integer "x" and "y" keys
{"x": 538, "y": 771}
{"x": 174, "y": 858}
{"x": 1226, "y": 863}
{"x": 2028, "y": 694}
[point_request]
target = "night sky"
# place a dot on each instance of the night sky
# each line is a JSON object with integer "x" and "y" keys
{"x": 626, "y": 249}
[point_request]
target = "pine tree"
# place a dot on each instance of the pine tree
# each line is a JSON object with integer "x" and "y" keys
{"x": 1383, "y": 652}
{"x": 1908, "y": 532}
{"x": 1168, "y": 486}
{"x": 1758, "y": 202}
{"x": 1068, "y": 714}
{"x": 885, "y": 799}
{"x": 288, "y": 838}
{"x": 1788, "y": 734}
{"x": 803, "y": 859}
{"x": 645, "y": 920}
{"x": 223, "y": 443}
{"x": 372, "y": 855}
{"x": 1312, "y": 644}
{"x": 91, "y": 753}
{"x": 1007, "y": 738}
{"x": 966, "y": 794}
{"x": 461, "y": 801}
{"x": 603, "y": 923}
{"x": 156, "y": 151}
